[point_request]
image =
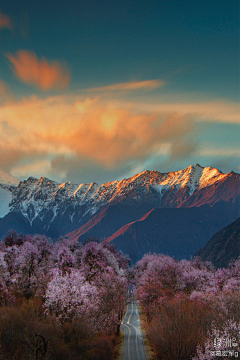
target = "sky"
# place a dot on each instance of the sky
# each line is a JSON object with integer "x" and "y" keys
{"x": 99, "y": 90}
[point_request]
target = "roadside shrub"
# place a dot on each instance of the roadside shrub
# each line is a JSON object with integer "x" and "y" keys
{"x": 178, "y": 327}
{"x": 26, "y": 333}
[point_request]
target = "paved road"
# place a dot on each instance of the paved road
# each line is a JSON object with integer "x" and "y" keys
{"x": 133, "y": 341}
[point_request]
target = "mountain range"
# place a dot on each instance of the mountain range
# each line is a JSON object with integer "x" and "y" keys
{"x": 175, "y": 213}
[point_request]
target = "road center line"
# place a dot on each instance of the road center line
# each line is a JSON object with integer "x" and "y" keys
{"x": 130, "y": 314}
{"x": 124, "y": 315}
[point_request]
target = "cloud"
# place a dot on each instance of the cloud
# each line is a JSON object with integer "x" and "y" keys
{"x": 39, "y": 72}
{"x": 5, "y": 21}
{"x": 3, "y": 89}
{"x": 101, "y": 132}
{"x": 5, "y": 92}
{"x": 82, "y": 170}
{"x": 182, "y": 149}
{"x": 212, "y": 111}
{"x": 68, "y": 135}
{"x": 129, "y": 86}
{"x": 222, "y": 152}
{"x": 37, "y": 168}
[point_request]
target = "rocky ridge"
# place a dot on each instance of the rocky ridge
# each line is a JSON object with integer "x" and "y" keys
{"x": 53, "y": 208}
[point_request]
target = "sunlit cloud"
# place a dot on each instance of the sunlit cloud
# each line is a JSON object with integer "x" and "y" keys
{"x": 62, "y": 133}
{"x": 86, "y": 128}
{"x": 130, "y": 86}
{"x": 39, "y": 72}
{"x": 5, "y": 21}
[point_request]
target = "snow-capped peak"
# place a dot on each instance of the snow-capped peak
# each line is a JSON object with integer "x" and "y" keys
{"x": 44, "y": 198}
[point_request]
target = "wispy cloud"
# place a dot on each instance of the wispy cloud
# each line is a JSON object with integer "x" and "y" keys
{"x": 130, "y": 86}
{"x": 212, "y": 111}
{"x": 39, "y": 72}
{"x": 5, "y": 21}
{"x": 222, "y": 152}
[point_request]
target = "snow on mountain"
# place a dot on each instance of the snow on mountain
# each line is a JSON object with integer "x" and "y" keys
{"x": 46, "y": 199}
{"x": 8, "y": 179}
{"x": 194, "y": 177}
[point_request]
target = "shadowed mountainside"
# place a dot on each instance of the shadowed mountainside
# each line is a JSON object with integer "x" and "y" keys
{"x": 223, "y": 247}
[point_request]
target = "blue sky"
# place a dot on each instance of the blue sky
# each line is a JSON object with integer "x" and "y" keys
{"x": 99, "y": 90}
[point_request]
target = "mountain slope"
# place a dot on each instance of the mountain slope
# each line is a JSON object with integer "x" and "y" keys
{"x": 178, "y": 232}
{"x": 15, "y": 221}
{"x": 225, "y": 188}
{"x": 223, "y": 246}
{"x": 112, "y": 217}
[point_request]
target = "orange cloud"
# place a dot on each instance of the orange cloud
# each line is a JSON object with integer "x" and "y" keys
{"x": 39, "y": 72}
{"x": 135, "y": 85}
{"x": 102, "y": 132}
{"x": 2, "y": 88}
{"x": 105, "y": 133}
{"x": 5, "y": 21}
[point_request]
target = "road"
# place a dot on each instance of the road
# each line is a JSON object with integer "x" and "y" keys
{"x": 133, "y": 341}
